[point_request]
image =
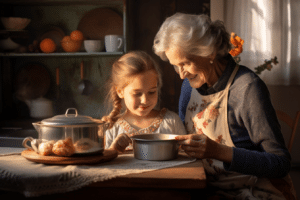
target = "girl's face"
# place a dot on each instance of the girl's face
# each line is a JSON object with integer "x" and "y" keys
{"x": 141, "y": 94}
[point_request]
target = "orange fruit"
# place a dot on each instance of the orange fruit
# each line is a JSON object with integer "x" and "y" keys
{"x": 71, "y": 46}
{"x": 66, "y": 38}
{"x": 47, "y": 45}
{"x": 76, "y": 35}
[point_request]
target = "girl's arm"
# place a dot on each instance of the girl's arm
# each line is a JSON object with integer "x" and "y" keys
{"x": 174, "y": 124}
{"x": 178, "y": 125}
{"x": 109, "y": 137}
{"x": 116, "y": 139}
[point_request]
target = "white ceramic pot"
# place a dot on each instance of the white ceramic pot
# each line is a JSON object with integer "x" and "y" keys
{"x": 8, "y": 44}
{"x": 40, "y": 108}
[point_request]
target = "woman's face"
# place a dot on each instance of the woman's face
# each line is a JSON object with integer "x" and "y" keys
{"x": 141, "y": 94}
{"x": 194, "y": 68}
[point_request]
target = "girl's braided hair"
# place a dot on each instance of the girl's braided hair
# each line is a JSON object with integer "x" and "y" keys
{"x": 126, "y": 67}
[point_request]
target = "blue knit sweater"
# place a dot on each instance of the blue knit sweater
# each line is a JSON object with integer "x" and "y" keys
{"x": 255, "y": 131}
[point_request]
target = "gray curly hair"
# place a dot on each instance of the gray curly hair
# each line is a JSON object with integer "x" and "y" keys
{"x": 193, "y": 34}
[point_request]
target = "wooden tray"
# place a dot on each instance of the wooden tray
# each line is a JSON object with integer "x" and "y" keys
{"x": 107, "y": 155}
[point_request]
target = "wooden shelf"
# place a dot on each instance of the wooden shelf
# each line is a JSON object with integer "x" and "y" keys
{"x": 62, "y": 2}
{"x": 62, "y": 54}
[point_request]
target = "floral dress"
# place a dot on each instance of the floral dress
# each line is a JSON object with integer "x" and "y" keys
{"x": 166, "y": 122}
{"x": 208, "y": 115}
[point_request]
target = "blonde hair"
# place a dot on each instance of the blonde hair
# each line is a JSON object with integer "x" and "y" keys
{"x": 126, "y": 67}
{"x": 193, "y": 34}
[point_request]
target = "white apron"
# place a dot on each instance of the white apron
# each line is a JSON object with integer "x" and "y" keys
{"x": 208, "y": 115}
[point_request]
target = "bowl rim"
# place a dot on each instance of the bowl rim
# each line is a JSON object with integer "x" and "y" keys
{"x": 25, "y": 18}
{"x": 149, "y": 137}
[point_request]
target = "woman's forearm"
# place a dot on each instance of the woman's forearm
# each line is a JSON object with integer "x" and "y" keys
{"x": 261, "y": 164}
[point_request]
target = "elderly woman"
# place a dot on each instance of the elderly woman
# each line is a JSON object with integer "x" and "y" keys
{"x": 226, "y": 110}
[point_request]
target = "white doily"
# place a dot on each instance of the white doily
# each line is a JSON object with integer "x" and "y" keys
{"x": 35, "y": 179}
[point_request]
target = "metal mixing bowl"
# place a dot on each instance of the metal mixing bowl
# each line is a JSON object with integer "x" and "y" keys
{"x": 155, "y": 146}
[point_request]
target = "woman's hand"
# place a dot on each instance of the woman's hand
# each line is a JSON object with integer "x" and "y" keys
{"x": 121, "y": 142}
{"x": 200, "y": 146}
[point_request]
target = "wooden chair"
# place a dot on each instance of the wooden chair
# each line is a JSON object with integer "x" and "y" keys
{"x": 292, "y": 123}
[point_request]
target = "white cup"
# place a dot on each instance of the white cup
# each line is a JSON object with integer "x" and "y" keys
{"x": 114, "y": 43}
{"x": 93, "y": 45}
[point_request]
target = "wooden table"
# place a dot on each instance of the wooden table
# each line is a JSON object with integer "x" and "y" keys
{"x": 187, "y": 176}
{"x": 187, "y": 181}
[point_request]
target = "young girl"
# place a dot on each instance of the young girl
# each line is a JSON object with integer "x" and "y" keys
{"x": 134, "y": 85}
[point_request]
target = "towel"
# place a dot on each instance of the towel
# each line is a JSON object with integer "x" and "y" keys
{"x": 35, "y": 179}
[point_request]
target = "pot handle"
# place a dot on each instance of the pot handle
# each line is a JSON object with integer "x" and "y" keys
{"x": 76, "y": 113}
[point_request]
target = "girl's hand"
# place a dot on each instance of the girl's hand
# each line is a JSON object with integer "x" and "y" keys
{"x": 121, "y": 142}
{"x": 200, "y": 146}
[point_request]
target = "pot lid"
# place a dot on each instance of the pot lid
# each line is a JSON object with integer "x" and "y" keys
{"x": 70, "y": 119}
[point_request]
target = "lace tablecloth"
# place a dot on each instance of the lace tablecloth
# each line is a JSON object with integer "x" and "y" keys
{"x": 35, "y": 179}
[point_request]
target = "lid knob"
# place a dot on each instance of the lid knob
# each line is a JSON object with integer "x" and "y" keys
{"x": 76, "y": 113}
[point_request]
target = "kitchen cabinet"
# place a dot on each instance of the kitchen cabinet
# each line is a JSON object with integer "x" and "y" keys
{"x": 65, "y": 14}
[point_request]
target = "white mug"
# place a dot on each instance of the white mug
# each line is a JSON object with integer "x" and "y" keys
{"x": 114, "y": 43}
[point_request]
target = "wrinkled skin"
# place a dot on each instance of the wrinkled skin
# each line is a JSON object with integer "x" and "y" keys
{"x": 200, "y": 146}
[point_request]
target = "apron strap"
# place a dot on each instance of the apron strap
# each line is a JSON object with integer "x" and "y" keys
{"x": 232, "y": 77}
